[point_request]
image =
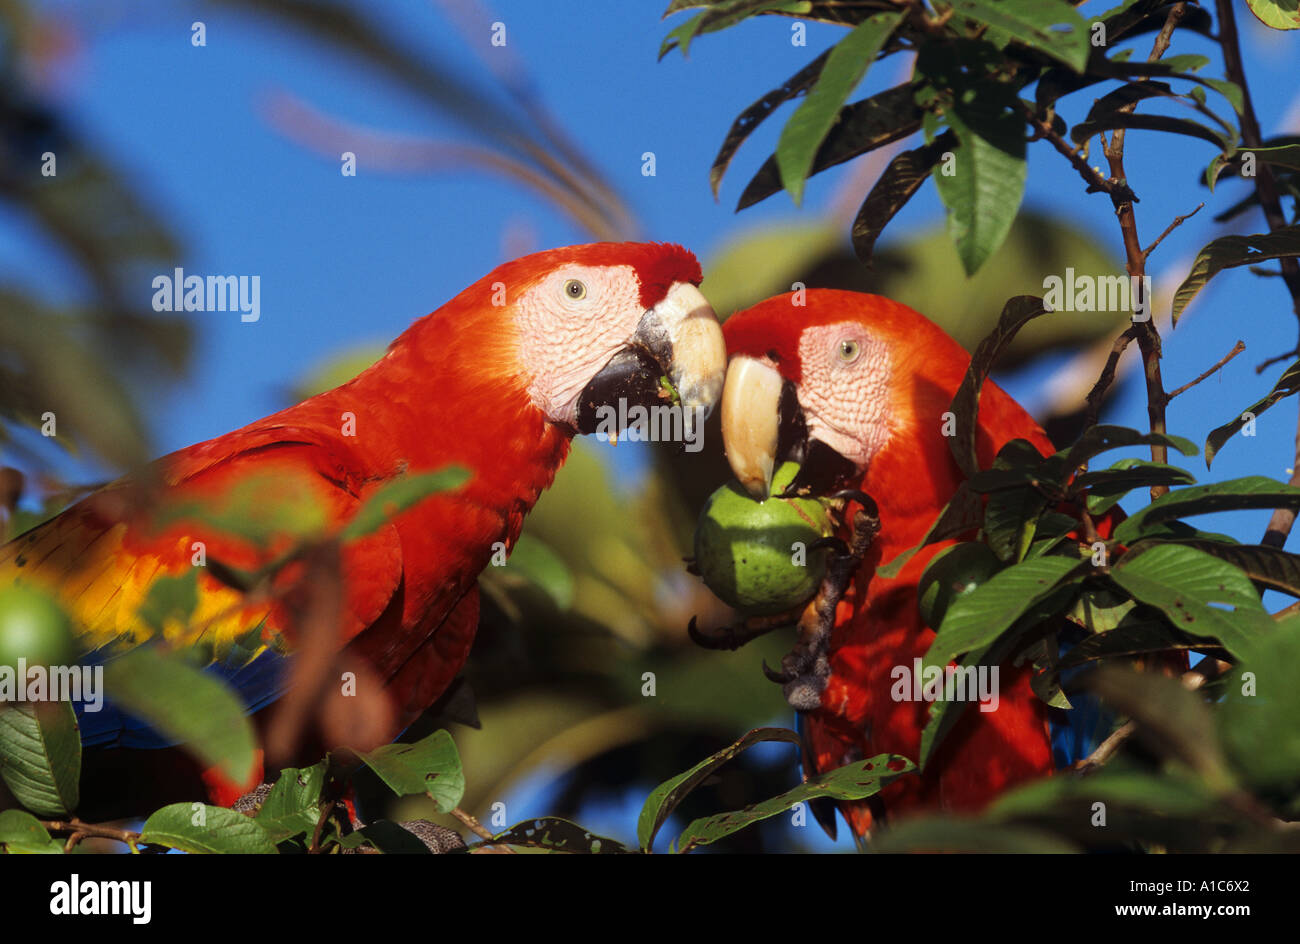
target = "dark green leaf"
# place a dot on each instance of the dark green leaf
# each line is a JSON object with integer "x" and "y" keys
{"x": 977, "y": 618}
{"x": 1037, "y": 23}
{"x": 40, "y": 755}
{"x": 1144, "y": 122}
{"x": 559, "y": 835}
{"x": 1103, "y": 438}
{"x": 1271, "y": 566}
{"x": 890, "y": 193}
{"x": 757, "y": 113}
{"x": 863, "y": 126}
{"x": 1287, "y": 385}
{"x": 855, "y": 781}
{"x": 1228, "y": 252}
{"x": 661, "y": 802}
{"x": 1253, "y": 491}
{"x": 1016, "y": 313}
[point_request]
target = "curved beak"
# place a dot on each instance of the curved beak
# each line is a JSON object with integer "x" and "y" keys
{"x": 751, "y": 423}
{"x": 678, "y": 338}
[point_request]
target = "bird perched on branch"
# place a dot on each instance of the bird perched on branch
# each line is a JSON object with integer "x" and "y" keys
{"x": 496, "y": 381}
{"x": 858, "y": 388}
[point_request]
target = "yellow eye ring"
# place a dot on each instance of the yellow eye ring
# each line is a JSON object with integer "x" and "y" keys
{"x": 848, "y": 350}
{"x": 575, "y": 290}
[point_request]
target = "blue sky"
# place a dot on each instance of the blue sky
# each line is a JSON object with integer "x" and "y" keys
{"x": 350, "y": 260}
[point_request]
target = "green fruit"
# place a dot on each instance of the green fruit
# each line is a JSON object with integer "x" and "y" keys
{"x": 745, "y": 550}
{"x": 34, "y": 627}
{"x": 953, "y": 573}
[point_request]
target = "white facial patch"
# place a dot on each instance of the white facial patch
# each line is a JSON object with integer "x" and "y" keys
{"x": 844, "y": 391}
{"x": 565, "y": 340}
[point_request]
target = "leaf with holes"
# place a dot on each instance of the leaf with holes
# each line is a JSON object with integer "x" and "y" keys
{"x": 855, "y": 781}
{"x": 430, "y": 766}
{"x": 661, "y": 802}
{"x": 559, "y": 835}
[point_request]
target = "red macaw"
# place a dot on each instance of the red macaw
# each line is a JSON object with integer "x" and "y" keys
{"x": 871, "y": 381}
{"x": 497, "y": 381}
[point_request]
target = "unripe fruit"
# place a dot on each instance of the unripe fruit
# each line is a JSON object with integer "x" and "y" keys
{"x": 746, "y": 551}
{"x": 34, "y": 627}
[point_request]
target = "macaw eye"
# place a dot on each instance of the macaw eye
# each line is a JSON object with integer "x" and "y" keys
{"x": 849, "y": 350}
{"x": 575, "y": 289}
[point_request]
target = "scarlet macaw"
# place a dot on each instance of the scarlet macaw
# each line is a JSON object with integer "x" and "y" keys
{"x": 497, "y": 381}
{"x": 859, "y": 385}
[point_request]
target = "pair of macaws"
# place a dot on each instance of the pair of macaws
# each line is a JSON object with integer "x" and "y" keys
{"x": 498, "y": 383}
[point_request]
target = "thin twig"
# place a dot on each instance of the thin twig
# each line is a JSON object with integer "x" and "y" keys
{"x": 1277, "y": 360}
{"x": 1236, "y": 349}
{"x": 1178, "y": 221}
{"x": 478, "y": 829}
{"x": 78, "y": 830}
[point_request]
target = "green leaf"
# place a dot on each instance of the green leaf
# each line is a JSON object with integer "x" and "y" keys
{"x": 1172, "y": 720}
{"x": 1228, "y": 252}
{"x": 1257, "y": 717}
{"x": 1276, "y": 14}
{"x": 531, "y": 560}
{"x": 855, "y": 781}
{"x": 1287, "y": 385}
{"x": 40, "y": 756}
{"x": 1185, "y": 584}
{"x": 1125, "y": 641}
{"x": 1037, "y": 23}
{"x": 199, "y": 828}
{"x": 393, "y": 498}
{"x": 862, "y": 127}
{"x": 891, "y": 191}
{"x": 1271, "y": 566}
{"x": 983, "y": 194}
{"x": 1103, "y": 438}
{"x": 1105, "y": 487}
{"x": 1253, "y": 491}
{"x": 559, "y": 835}
{"x": 977, "y": 618}
{"x": 293, "y": 805}
{"x": 21, "y": 832}
{"x": 431, "y": 766}
{"x": 757, "y": 113}
{"x": 661, "y": 802}
{"x": 721, "y": 15}
{"x": 186, "y": 705}
{"x": 963, "y": 513}
{"x": 809, "y": 125}
{"x": 1016, "y": 313}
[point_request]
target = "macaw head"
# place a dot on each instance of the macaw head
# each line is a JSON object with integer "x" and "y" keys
{"x": 596, "y": 324}
{"x": 831, "y": 379}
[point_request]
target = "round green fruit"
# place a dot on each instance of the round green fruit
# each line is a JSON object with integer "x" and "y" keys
{"x": 35, "y": 628}
{"x": 746, "y": 551}
{"x": 953, "y": 573}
